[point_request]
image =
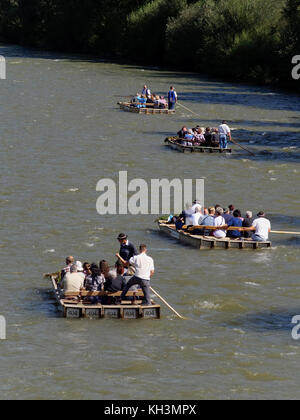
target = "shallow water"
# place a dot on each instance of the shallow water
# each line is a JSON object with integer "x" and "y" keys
{"x": 61, "y": 132}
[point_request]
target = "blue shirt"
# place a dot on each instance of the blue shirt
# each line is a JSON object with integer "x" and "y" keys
{"x": 127, "y": 251}
{"x": 235, "y": 221}
{"x": 208, "y": 221}
{"x": 172, "y": 96}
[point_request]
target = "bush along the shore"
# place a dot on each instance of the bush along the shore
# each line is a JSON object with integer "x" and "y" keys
{"x": 246, "y": 40}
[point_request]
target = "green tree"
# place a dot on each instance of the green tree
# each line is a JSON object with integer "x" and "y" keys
{"x": 146, "y": 27}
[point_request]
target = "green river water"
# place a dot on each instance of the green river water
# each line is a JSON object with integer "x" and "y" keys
{"x": 61, "y": 131}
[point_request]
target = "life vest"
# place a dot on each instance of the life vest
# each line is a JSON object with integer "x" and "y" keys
{"x": 172, "y": 96}
{"x": 146, "y": 92}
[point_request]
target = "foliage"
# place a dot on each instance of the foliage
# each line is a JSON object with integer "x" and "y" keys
{"x": 146, "y": 29}
{"x": 252, "y": 40}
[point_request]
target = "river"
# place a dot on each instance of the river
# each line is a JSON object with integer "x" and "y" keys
{"x": 61, "y": 131}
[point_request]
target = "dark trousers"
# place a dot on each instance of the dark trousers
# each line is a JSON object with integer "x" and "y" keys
{"x": 144, "y": 284}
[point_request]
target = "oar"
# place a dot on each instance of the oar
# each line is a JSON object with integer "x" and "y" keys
{"x": 282, "y": 232}
{"x": 166, "y": 303}
{"x": 188, "y": 109}
{"x": 242, "y": 147}
{"x": 233, "y": 141}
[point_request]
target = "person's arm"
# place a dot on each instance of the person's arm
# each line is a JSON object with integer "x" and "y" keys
{"x": 229, "y": 134}
{"x": 152, "y": 271}
{"x": 126, "y": 263}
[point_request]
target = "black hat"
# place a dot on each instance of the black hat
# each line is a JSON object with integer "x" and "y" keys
{"x": 122, "y": 236}
{"x": 261, "y": 214}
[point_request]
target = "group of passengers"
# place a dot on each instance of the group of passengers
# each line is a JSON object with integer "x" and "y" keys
{"x": 132, "y": 271}
{"x": 206, "y": 137}
{"x": 216, "y": 221}
{"x": 147, "y": 99}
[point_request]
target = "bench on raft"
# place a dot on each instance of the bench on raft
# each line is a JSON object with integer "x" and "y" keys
{"x": 85, "y": 294}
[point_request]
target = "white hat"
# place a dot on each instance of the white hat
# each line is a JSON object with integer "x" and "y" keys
{"x": 79, "y": 266}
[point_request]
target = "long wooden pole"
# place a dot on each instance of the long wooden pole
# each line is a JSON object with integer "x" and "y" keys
{"x": 242, "y": 147}
{"x": 283, "y": 232}
{"x": 166, "y": 303}
{"x": 241, "y": 229}
{"x": 188, "y": 109}
{"x": 233, "y": 141}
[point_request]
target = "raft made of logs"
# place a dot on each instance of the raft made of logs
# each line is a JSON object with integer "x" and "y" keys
{"x": 73, "y": 305}
{"x": 127, "y": 106}
{"x": 173, "y": 143}
{"x": 209, "y": 242}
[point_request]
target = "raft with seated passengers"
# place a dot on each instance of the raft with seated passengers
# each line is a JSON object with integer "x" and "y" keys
{"x": 176, "y": 143}
{"x": 79, "y": 305}
{"x": 149, "y": 103}
{"x": 187, "y": 237}
{"x": 147, "y": 109}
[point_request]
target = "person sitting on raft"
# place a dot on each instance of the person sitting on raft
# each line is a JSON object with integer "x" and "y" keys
{"x": 236, "y": 221}
{"x": 215, "y": 138}
{"x": 181, "y": 133}
{"x": 199, "y": 136}
{"x": 248, "y": 222}
{"x": 69, "y": 262}
{"x": 116, "y": 284}
{"x": 157, "y": 102}
{"x": 189, "y": 138}
{"x": 94, "y": 281}
{"x": 151, "y": 99}
{"x": 163, "y": 102}
{"x": 220, "y": 223}
{"x": 72, "y": 281}
{"x": 209, "y": 220}
{"x": 142, "y": 102}
{"x": 208, "y": 137}
{"x": 262, "y": 228}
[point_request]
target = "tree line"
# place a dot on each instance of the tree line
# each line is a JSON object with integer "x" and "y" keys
{"x": 246, "y": 40}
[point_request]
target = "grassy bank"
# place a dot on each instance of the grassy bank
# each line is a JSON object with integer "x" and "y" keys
{"x": 245, "y": 40}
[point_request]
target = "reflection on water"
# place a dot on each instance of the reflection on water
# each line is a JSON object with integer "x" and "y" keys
{"x": 62, "y": 132}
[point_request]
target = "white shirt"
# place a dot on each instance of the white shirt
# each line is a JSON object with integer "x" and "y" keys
{"x": 220, "y": 221}
{"x": 262, "y": 226}
{"x": 188, "y": 216}
{"x": 197, "y": 219}
{"x": 224, "y": 129}
{"x": 143, "y": 266}
{"x": 73, "y": 282}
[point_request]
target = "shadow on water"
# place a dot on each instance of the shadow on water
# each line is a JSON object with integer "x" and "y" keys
{"x": 43, "y": 303}
{"x": 282, "y": 102}
{"x": 266, "y": 321}
{"x": 269, "y": 146}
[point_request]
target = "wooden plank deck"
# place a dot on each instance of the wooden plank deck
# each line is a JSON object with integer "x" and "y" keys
{"x": 125, "y": 106}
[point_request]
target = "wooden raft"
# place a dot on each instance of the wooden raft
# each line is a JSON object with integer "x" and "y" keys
{"x": 72, "y": 305}
{"x": 126, "y": 106}
{"x": 209, "y": 242}
{"x": 172, "y": 142}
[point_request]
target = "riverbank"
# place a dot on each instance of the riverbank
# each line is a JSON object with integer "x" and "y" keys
{"x": 253, "y": 43}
